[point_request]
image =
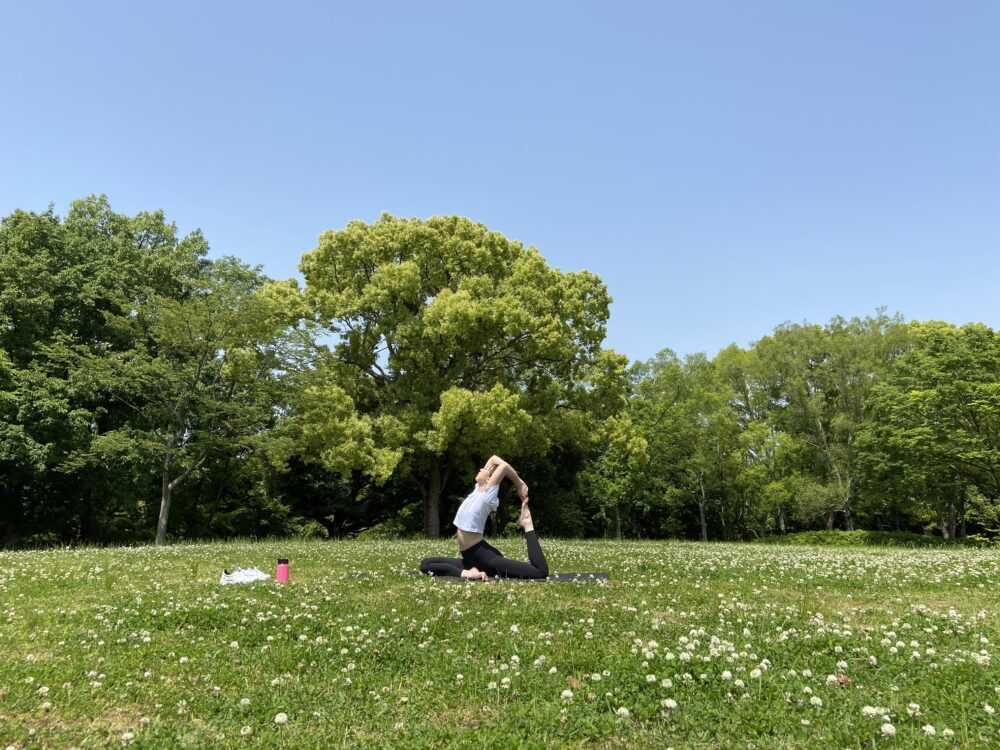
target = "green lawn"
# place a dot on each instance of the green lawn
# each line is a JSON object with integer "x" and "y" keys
{"x": 688, "y": 646}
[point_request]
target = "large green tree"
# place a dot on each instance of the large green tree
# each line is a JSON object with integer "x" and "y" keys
{"x": 935, "y": 428}
{"x": 61, "y": 281}
{"x": 453, "y": 342}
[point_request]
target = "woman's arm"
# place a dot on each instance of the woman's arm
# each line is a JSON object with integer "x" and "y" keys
{"x": 503, "y": 469}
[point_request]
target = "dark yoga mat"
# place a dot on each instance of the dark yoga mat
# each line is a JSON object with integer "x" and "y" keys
{"x": 562, "y": 577}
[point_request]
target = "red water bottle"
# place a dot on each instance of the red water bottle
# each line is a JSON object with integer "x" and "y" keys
{"x": 281, "y": 572}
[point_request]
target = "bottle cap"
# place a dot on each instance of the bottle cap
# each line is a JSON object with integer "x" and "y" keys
{"x": 282, "y": 561}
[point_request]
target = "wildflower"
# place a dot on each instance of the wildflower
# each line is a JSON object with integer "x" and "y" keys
{"x": 989, "y": 709}
{"x": 244, "y": 731}
{"x": 491, "y": 686}
{"x": 888, "y": 730}
{"x": 651, "y": 678}
{"x": 566, "y": 694}
{"x": 281, "y": 718}
{"x": 816, "y": 701}
{"x": 669, "y": 703}
{"x": 913, "y": 709}
{"x": 623, "y": 712}
{"x": 929, "y": 730}
{"x": 947, "y": 732}
{"x": 244, "y": 701}
{"x": 727, "y": 675}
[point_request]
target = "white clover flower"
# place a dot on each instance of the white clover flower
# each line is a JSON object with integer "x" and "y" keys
{"x": 913, "y": 709}
{"x": 816, "y": 701}
{"x": 552, "y": 670}
{"x": 989, "y": 709}
{"x": 281, "y": 718}
{"x": 669, "y": 703}
{"x": 888, "y": 730}
{"x": 929, "y": 730}
{"x": 727, "y": 675}
{"x": 666, "y": 682}
{"x": 754, "y": 673}
{"x": 947, "y": 732}
{"x": 623, "y": 712}
{"x": 807, "y": 673}
{"x": 491, "y": 686}
{"x": 244, "y": 701}
{"x": 244, "y": 731}
{"x": 566, "y": 694}
{"x": 651, "y": 678}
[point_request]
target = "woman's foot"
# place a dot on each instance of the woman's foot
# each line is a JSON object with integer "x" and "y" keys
{"x": 474, "y": 574}
{"x": 524, "y": 520}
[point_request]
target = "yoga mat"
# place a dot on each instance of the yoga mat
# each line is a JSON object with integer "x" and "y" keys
{"x": 561, "y": 577}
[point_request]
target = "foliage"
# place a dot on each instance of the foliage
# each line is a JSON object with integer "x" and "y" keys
{"x": 452, "y": 343}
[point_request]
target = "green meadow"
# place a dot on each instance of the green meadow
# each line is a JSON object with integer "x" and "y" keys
{"x": 687, "y": 646}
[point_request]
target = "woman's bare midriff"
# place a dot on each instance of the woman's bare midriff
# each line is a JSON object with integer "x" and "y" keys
{"x": 467, "y": 538}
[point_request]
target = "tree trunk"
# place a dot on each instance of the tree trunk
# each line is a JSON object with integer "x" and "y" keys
{"x": 618, "y": 522}
{"x": 432, "y": 503}
{"x": 952, "y": 517}
{"x": 168, "y": 486}
{"x": 781, "y": 520}
{"x": 161, "y": 524}
{"x": 701, "y": 510}
{"x": 829, "y": 520}
{"x": 943, "y": 525}
{"x": 848, "y": 518}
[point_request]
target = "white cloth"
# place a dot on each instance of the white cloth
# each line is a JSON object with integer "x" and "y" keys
{"x": 476, "y": 507}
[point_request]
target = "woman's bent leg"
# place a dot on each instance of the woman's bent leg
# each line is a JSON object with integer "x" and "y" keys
{"x": 490, "y": 560}
{"x": 442, "y": 566}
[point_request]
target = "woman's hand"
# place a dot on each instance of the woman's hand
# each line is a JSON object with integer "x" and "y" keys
{"x": 474, "y": 574}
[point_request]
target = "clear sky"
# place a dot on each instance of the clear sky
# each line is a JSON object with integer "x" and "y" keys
{"x": 723, "y": 166}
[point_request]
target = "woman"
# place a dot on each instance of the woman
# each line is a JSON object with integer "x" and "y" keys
{"x": 479, "y": 559}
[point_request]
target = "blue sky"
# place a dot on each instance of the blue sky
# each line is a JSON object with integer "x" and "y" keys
{"x": 723, "y": 166}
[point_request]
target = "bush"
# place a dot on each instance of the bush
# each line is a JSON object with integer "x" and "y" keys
{"x": 408, "y": 523}
{"x": 871, "y": 539}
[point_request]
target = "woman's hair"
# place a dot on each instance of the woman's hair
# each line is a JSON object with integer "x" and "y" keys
{"x": 505, "y": 487}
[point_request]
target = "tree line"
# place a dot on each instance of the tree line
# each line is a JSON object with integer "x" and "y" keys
{"x": 150, "y": 392}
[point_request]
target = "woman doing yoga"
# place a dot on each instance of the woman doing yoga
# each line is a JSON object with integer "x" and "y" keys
{"x": 479, "y": 559}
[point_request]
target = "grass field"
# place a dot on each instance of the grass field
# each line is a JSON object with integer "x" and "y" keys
{"x": 688, "y": 646}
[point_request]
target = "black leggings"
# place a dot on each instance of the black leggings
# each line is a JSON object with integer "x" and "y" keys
{"x": 489, "y": 560}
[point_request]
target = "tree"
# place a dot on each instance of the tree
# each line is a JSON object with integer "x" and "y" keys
{"x": 936, "y": 420}
{"x": 60, "y": 280}
{"x": 452, "y": 343}
{"x": 201, "y": 375}
{"x": 821, "y": 378}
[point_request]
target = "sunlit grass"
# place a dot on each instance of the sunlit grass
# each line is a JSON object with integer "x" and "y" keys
{"x": 689, "y": 645}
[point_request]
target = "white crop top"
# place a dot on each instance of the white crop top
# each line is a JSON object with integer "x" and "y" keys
{"x": 475, "y": 508}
